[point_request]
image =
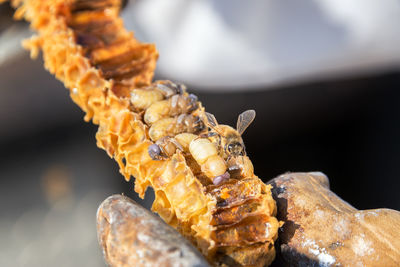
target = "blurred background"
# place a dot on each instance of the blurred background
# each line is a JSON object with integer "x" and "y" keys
{"x": 323, "y": 76}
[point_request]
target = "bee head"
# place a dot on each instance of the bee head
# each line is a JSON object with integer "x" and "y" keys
{"x": 235, "y": 148}
{"x": 234, "y": 145}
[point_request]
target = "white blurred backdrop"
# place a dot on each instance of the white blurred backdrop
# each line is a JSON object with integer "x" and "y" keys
{"x": 235, "y": 43}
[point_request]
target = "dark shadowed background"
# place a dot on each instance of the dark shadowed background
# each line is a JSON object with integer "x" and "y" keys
{"x": 344, "y": 123}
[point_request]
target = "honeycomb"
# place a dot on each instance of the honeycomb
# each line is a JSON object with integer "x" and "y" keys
{"x": 85, "y": 45}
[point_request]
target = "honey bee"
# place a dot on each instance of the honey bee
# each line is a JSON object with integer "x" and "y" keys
{"x": 164, "y": 148}
{"x": 230, "y": 143}
{"x": 201, "y": 149}
{"x": 142, "y": 99}
{"x": 169, "y": 89}
{"x": 228, "y": 140}
{"x": 173, "y": 106}
{"x": 171, "y": 126}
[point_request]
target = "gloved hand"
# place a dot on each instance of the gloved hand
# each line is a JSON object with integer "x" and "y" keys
{"x": 130, "y": 235}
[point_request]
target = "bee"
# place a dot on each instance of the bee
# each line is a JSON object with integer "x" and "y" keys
{"x": 164, "y": 148}
{"x": 173, "y": 106}
{"x": 228, "y": 140}
{"x": 171, "y": 126}
{"x": 230, "y": 143}
{"x": 142, "y": 99}
{"x": 169, "y": 89}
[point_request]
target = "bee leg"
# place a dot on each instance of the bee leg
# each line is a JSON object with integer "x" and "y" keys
{"x": 219, "y": 144}
{"x": 181, "y": 119}
{"x": 203, "y": 135}
{"x": 169, "y": 89}
{"x": 198, "y": 124}
{"x": 206, "y": 135}
{"x": 243, "y": 160}
{"x": 193, "y": 105}
{"x": 174, "y": 101}
{"x": 181, "y": 88}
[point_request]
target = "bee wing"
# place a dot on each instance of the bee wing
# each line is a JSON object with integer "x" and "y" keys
{"x": 212, "y": 121}
{"x": 244, "y": 120}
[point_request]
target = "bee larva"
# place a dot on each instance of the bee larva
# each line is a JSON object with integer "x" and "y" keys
{"x": 231, "y": 220}
{"x": 206, "y": 155}
{"x": 185, "y": 139}
{"x": 142, "y": 99}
